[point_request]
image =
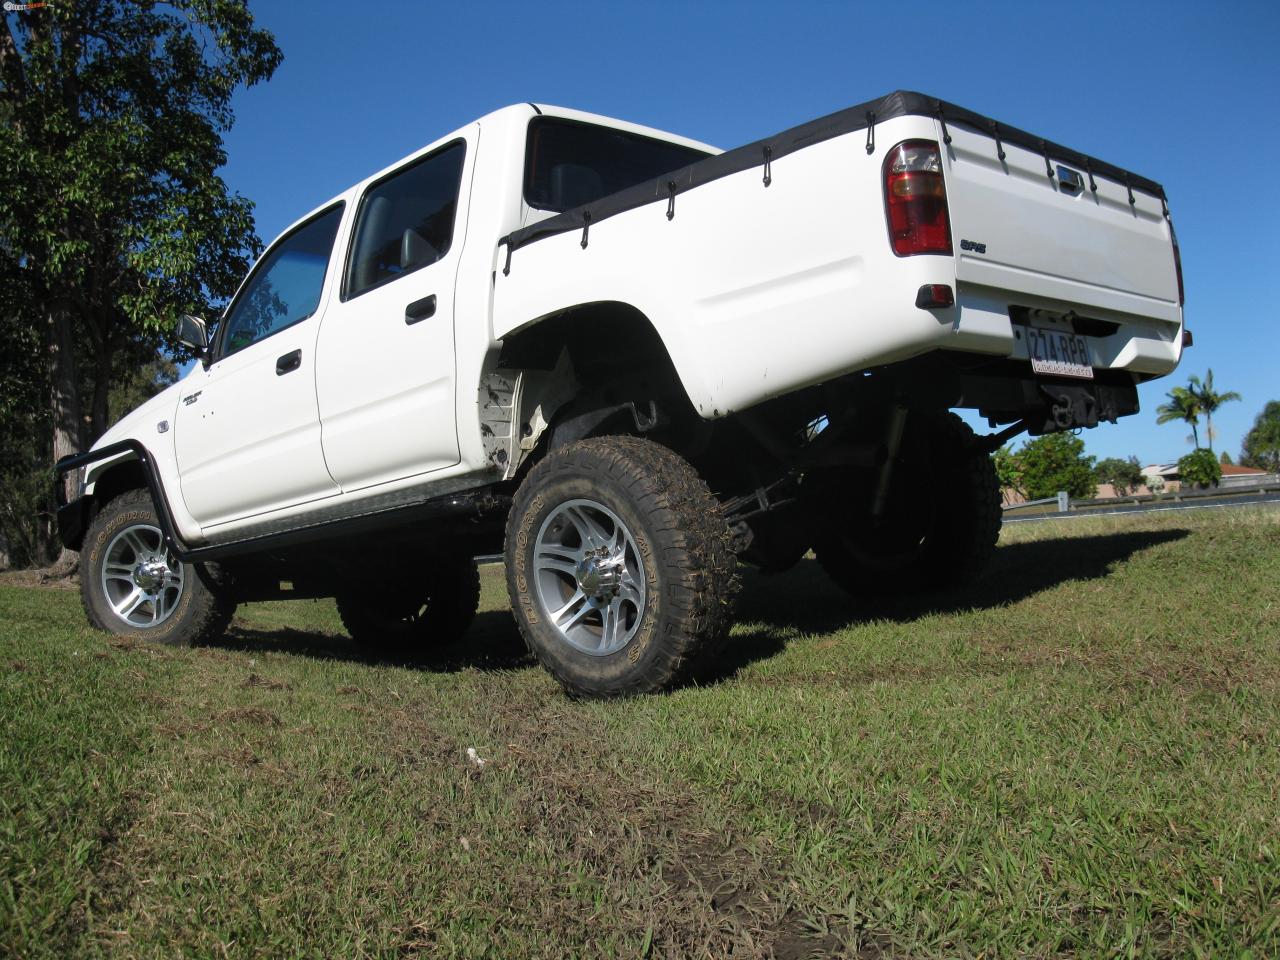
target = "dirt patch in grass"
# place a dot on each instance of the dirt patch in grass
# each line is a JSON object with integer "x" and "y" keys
{"x": 49, "y": 578}
{"x": 664, "y": 872}
{"x": 253, "y": 680}
{"x": 254, "y": 715}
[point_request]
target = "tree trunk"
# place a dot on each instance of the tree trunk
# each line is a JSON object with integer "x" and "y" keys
{"x": 99, "y": 412}
{"x": 68, "y": 424}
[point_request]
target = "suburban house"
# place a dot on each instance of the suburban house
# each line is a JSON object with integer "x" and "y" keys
{"x": 1166, "y": 476}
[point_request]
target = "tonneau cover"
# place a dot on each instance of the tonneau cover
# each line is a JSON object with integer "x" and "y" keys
{"x": 861, "y": 117}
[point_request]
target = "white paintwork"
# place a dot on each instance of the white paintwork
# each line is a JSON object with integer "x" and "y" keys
{"x": 755, "y": 291}
{"x": 386, "y": 388}
{"x": 250, "y": 442}
{"x": 1091, "y": 249}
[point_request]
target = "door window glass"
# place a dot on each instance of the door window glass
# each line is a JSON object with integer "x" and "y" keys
{"x": 285, "y": 287}
{"x": 406, "y": 220}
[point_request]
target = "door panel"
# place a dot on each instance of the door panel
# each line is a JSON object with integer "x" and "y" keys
{"x": 385, "y": 368}
{"x": 247, "y": 432}
{"x": 250, "y": 440}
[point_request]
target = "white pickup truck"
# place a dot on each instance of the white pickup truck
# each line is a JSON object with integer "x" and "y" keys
{"x": 631, "y": 360}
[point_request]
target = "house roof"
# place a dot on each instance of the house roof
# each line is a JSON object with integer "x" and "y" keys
{"x": 1232, "y": 470}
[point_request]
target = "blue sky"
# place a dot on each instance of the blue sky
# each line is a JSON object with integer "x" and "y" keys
{"x": 1185, "y": 93}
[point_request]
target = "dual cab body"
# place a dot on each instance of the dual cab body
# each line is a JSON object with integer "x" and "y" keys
{"x": 542, "y": 276}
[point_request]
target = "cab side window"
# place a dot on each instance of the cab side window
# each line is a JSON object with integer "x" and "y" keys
{"x": 285, "y": 286}
{"x": 406, "y": 220}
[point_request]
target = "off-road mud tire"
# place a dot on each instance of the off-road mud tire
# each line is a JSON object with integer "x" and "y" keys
{"x": 686, "y": 554}
{"x": 436, "y": 612}
{"x": 959, "y": 533}
{"x": 203, "y": 610}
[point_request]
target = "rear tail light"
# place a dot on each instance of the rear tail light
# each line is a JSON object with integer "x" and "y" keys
{"x": 1177, "y": 263}
{"x": 915, "y": 199}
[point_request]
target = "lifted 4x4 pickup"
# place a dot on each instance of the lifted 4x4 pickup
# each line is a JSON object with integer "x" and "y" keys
{"x": 631, "y": 360}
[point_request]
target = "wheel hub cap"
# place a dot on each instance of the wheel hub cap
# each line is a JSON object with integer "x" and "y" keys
{"x": 150, "y": 574}
{"x": 599, "y": 577}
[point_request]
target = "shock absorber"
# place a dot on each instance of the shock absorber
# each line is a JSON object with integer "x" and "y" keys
{"x": 892, "y": 445}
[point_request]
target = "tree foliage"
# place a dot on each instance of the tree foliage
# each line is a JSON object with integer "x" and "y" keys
{"x": 1209, "y": 400}
{"x": 113, "y": 218}
{"x": 1185, "y": 406}
{"x": 1200, "y": 468}
{"x": 1197, "y": 399}
{"x": 1008, "y": 470}
{"x": 1055, "y": 462}
{"x": 1123, "y": 474}
{"x": 1261, "y": 446}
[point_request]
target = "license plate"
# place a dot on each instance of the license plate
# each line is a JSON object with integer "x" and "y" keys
{"x": 1059, "y": 354}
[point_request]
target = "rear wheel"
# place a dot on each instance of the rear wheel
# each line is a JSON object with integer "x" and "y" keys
{"x": 131, "y": 583}
{"x": 435, "y": 608}
{"x": 619, "y": 567}
{"x": 940, "y": 522}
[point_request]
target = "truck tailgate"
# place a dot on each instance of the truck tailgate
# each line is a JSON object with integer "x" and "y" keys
{"x": 1020, "y": 230}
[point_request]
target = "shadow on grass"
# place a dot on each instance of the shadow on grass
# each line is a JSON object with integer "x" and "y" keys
{"x": 804, "y": 599}
{"x": 771, "y": 607}
{"x": 492, "y": 643}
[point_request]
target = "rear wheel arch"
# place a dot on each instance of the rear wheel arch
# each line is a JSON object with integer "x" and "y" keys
{"x": 613, "y": 354}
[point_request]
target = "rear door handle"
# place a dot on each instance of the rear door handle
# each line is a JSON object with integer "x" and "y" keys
{"x": 420, "y": 310}
{"x": 288, "y": 363}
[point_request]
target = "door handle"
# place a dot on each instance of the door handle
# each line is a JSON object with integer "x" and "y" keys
{"x": 288, "y": 363}
{"x": 420, "y": 310}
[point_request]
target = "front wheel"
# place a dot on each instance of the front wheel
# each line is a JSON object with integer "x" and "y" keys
{"x": 131, "y": 583}
{"x": 619, "y": 566}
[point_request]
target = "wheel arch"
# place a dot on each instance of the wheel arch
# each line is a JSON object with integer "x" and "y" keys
{"x": 602, "y": 330}
{"x": 110, "y": 471}
{"x": 585, "y": 370}
{"x": 117, "y": 477}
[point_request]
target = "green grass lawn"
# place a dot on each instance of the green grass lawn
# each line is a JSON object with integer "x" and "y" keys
{"x": 1078, "y": 756}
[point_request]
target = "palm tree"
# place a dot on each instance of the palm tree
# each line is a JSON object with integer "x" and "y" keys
{"x": 1184, "y": 405}
{"x": 1208, "y": 400}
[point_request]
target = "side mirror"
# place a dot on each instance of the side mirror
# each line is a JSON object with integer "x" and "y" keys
{"x": 193, "y": 333}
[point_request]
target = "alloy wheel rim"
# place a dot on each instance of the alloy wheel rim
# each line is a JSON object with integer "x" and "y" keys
{"x": 141, "y": 579}
{"x": 588, "y": 577}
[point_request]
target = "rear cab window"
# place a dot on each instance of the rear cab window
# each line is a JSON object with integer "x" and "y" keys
{"x": 406, "y": 220}
{"x": 569, "y": 163}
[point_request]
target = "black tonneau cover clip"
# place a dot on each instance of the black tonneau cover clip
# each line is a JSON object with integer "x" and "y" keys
{"x": 1088, "y": 168}
{"x": 586, "y": 227}
{"x": 995, "y": 132}
{"x": 942, "y": 119}
{"x": 1048, "y": 167}
{"x": 871, "y": 131}
{"x": 506, "y": 268}
{"x": 768, "y": 161}
{"x": 671, "y": 199}
{"x": 1128, "y": 186}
